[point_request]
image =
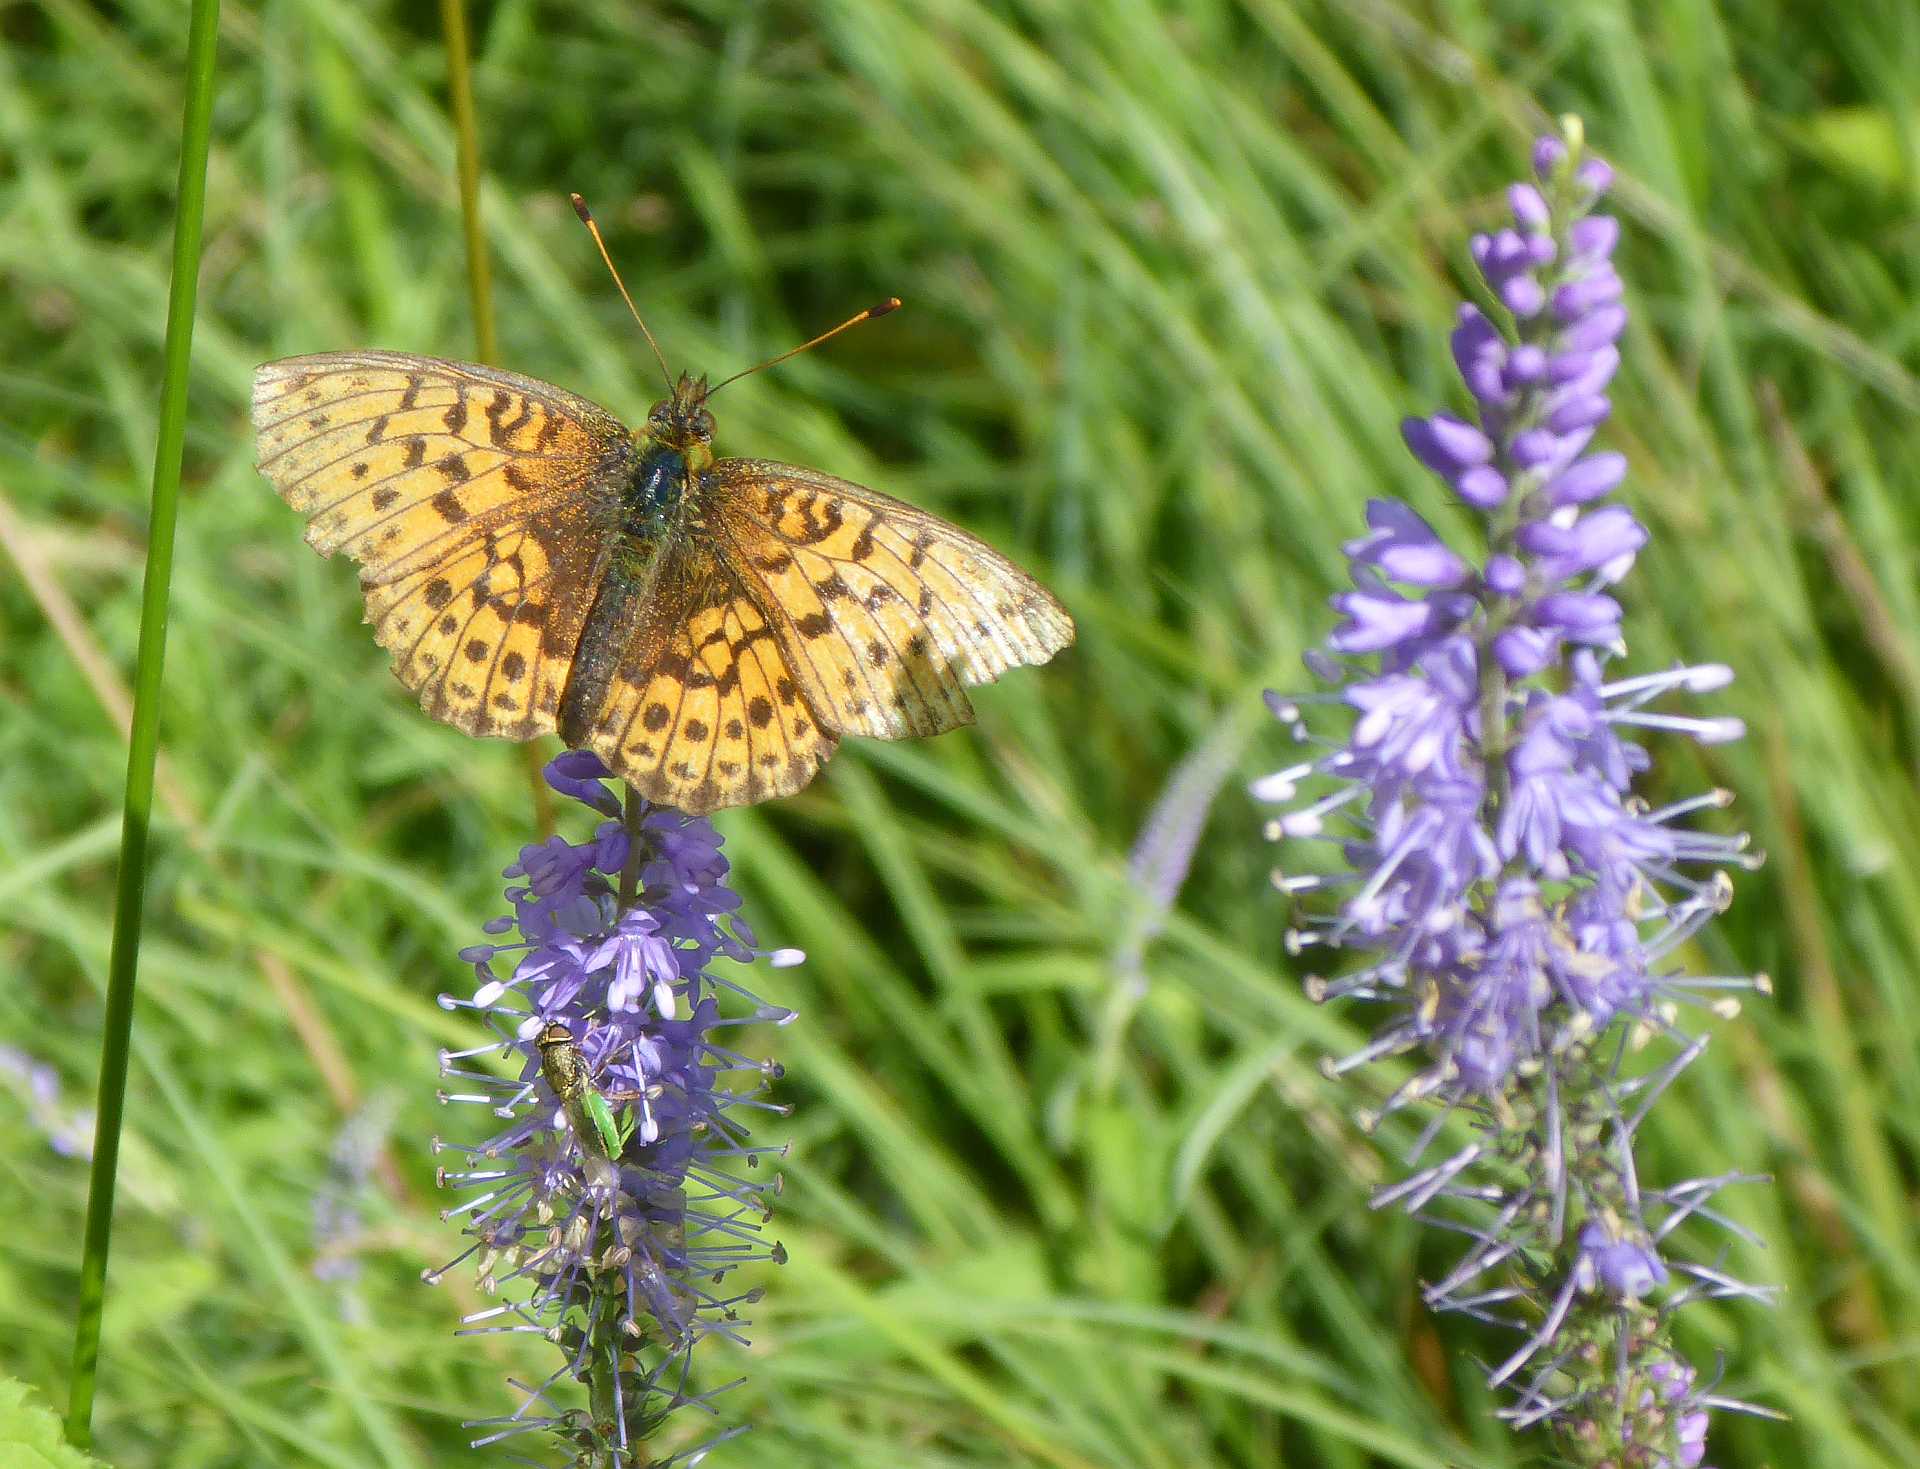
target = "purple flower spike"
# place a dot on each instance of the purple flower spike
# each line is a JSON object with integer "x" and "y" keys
{"x": 612, "y": 1246}
{"x": 1501, "y": 893}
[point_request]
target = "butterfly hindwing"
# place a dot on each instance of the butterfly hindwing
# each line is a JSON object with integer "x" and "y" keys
{"x": 887, "y": 613}
{"x": 486, "y": 636}
{"x": 704, "y": 709}
{"x": 476, "y": 502}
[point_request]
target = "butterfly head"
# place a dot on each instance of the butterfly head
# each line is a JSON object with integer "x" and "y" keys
{"x": 682, "y": 422}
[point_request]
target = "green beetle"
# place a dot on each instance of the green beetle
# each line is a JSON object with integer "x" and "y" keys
{"x": 589, "y": 1110}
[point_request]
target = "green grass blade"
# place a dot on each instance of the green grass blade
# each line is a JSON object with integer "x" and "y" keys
{"x": 466, "y": 139}
{"x": 144, "y": 743}
{"x": 486, "y": 342}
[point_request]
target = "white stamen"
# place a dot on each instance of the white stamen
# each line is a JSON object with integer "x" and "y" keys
{"x": 1707, "y": 731}
{"x": 1280, "y": 785}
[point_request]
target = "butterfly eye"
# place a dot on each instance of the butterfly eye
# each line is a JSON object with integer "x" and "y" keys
{"x": 703, "y": 424}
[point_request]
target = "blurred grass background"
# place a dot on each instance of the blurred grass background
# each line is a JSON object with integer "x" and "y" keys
{"x": 1174, "y": 273}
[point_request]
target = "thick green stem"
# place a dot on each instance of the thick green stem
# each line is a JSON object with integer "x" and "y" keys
{"x": 144, "y": 740}
{"x": 634, "y": 813}
{"x": 486, "y": 346}
{"x": 466, "y": 135}
{"x": 603, "y": 1402}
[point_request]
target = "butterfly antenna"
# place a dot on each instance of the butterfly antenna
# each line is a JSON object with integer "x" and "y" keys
{"x": 586, "y": 218}
{"x": 892, "y": 303}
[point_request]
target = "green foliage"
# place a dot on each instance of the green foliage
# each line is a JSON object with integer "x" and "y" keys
{"x": 129, "y": 912}
{"x": 1174, "y": 272}
{"x": 30, "y": 1434}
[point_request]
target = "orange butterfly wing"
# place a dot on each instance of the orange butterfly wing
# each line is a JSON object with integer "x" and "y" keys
{"x": 478, "y": 503}
{"x": 792, "y": 608}
{"x": 886, "y": 613}
{"x": 784, "y": 609}
{"x": 704, "y": 710}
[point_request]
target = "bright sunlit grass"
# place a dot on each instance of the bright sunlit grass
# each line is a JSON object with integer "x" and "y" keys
{"x": 1172, "y": 281}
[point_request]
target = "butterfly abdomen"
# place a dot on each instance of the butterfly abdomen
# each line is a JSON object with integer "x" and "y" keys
{"x": 652, "y": 501}
{"x": 603, "y": 640}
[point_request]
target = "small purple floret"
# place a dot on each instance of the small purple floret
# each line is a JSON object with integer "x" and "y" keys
{"x": 1588, "y": 479}
{"x": 1406, "y": 549}
{"x": 1529, "y": 206}
{"x": 1482, "y": 487}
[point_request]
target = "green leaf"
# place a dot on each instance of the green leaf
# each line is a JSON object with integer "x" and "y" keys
{"x": 30, "y": 1434}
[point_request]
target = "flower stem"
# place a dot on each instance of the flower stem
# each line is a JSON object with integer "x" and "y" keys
{"x": 486, "y": 345}
{"x": 144, "y": 739}
{"x": 1493, "y": 725}
{"x": 633, "y": 814}
{"x": 603, "y": 1392}
{"x": 466, "y": 137}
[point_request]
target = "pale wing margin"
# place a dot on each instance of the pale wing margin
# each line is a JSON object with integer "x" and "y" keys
{"x": 888, "y": 611}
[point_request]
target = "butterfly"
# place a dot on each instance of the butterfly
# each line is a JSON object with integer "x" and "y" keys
{"x": 710, "y": 627}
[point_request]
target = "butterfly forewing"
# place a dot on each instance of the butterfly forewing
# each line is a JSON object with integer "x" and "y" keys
{"x": 886, "y": 612}
{"x": 487, "y": 636}
{"x": 477, "y": 502}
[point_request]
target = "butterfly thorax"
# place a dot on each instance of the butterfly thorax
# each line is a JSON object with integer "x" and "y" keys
{"x": 671, "y": 452}
{"x": 654, "y": 491}
{"x": 670, "y": 455}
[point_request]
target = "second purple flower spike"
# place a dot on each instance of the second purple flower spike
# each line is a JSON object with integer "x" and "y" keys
{"x": 1495, "y": 885}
